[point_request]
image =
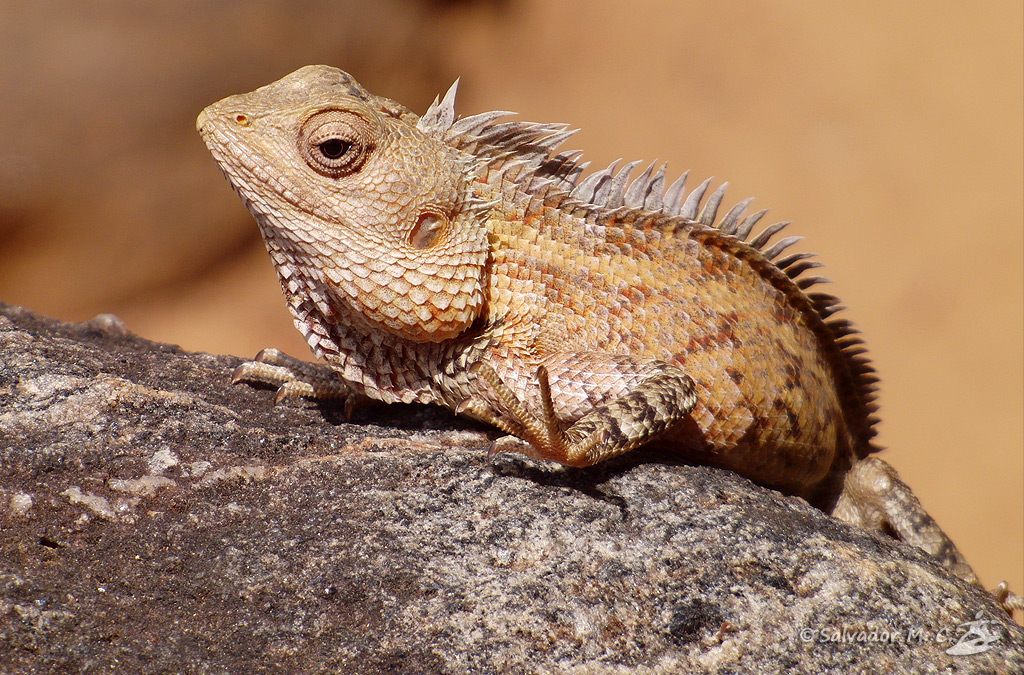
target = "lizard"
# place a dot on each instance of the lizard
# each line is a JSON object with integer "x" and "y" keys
{"x": 467, "y": 262}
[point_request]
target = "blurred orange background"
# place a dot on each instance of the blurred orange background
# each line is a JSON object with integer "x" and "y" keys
{"x": 890, "y": 133}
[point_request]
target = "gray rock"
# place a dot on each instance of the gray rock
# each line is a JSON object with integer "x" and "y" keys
{"x": 154, "y": 518}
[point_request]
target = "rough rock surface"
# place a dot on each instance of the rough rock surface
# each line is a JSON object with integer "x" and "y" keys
{"x": 153, "y": 519}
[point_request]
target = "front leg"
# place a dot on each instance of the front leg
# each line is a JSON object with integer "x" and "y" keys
{"x": 294, "y": 377}
{"x": 649, "y": 398}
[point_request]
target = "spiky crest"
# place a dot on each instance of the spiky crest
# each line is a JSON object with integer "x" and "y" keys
{"x": 526, "y": 150}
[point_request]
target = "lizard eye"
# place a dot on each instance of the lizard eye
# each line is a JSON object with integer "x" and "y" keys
{"x": 335, "y": 143}
{"x": 334, "y": 148}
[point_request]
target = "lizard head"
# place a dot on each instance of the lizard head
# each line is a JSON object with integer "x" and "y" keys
{"x": 362, "y": 211}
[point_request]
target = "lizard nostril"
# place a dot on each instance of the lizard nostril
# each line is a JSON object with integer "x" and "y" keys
{"x": 242, "y": 120}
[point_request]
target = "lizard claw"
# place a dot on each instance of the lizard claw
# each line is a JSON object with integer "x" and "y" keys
{"x": 508, "y": 444}
{"x": 478, "y": 410}
{"x": 1007, "y": 599}
{"x": 291, "y": 389}
{"x": 238, "y": 374}
{"x": 465, "y": 406}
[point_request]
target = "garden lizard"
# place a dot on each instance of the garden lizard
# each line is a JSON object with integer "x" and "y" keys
{"x": 468, "y": 263}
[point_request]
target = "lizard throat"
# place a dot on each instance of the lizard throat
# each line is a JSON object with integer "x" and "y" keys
{"x": 416, "y": 295}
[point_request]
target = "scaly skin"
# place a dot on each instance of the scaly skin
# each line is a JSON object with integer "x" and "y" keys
{"x": 462, "y": 263}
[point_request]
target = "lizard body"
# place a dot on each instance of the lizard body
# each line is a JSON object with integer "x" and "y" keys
{"x": 462, "y": 262}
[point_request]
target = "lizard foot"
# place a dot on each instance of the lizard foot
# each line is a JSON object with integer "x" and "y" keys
{"x": 294, "y": 377}
{"x": 538, "y": 437}
{"x": 1007, "y": 599}
{"x": 607, "y": 430}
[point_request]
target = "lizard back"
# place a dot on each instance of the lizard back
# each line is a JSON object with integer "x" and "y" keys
{"x": 785, "y": 394}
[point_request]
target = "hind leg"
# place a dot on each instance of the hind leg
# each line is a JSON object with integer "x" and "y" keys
{"x": 875, "y": 498}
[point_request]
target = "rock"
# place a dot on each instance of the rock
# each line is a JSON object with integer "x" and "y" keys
{"x": 157, "y": 519}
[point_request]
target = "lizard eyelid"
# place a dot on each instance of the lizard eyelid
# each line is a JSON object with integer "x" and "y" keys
{"x": 335, "y": 142}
